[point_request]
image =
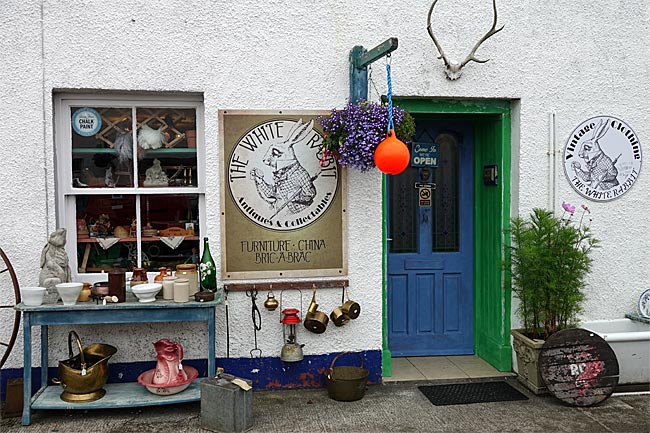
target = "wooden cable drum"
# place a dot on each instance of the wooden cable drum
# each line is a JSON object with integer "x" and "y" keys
{"x": 578, "y": 367}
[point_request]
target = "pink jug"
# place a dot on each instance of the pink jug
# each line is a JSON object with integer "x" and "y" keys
{"x": 169, "y": 369}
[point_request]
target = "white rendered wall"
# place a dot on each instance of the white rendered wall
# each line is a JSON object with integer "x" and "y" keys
{"x": 577, "y": 59}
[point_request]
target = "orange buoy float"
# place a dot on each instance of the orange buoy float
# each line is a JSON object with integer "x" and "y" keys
{"x": 392, "y": 156}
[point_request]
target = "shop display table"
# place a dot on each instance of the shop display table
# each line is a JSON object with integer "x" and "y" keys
{"x": 88, "y": 313}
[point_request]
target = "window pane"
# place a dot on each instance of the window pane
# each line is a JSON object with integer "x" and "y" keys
{"x": 107, "y": 231}
{"x": 403, "y": 212}
{"x": 104, "y": 232}
{"x": 170, "y": 230}
{"x": 166, "y": 147}
{"x": 445, "y": 203}
{"x": 102, "y": 147}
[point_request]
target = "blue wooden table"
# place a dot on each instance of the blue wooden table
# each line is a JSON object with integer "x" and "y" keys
{"x": 117, "y": 395}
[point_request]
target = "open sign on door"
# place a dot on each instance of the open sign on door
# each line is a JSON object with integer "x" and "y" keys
{"x": 424, "y": 155}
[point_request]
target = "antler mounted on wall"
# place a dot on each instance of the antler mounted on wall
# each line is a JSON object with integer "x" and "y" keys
{"x": 452, "y": 67}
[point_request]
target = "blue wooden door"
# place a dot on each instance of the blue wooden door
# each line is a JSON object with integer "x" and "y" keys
{"x": 430, "y": 248}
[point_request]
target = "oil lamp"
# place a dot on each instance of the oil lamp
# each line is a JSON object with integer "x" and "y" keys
{"x": 291, "y": 350}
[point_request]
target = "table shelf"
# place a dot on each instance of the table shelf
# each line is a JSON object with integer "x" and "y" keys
{"x": 117, "y": 395}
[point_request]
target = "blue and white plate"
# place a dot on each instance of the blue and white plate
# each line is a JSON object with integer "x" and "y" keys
{"x": 644, "y": 304}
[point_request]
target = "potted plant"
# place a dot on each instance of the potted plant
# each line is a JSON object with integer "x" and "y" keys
{"x": 353, "y": 133}
{"x": 549, "y": 260}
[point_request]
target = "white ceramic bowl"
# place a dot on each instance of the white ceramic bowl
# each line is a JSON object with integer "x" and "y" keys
{"x": 146, "y": 292}
{"x": 146, "y": 379}
{"x": 32, "y": 296}
{"x": 69, "y": 292}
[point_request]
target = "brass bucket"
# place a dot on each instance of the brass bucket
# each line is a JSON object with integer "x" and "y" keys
{"x": 83, "y": 376}
{"x": 346, "y": 383}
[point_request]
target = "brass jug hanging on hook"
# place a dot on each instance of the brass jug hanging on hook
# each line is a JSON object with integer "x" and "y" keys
{"x": 350, "y": 308}
{"x": 271, "y": 303}
{"x": 315, "y": 321}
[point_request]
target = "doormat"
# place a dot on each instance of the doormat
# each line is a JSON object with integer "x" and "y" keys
{"x": 468, "y": 393}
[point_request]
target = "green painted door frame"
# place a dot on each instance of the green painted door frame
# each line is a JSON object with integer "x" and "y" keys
{"x": 492, "y": 146}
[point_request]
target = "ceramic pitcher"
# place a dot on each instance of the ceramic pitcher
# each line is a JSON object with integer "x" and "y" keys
{"x": 169, "y": 369}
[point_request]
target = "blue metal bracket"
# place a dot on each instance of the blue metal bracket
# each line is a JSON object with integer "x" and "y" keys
{"x": 360, "y": 58}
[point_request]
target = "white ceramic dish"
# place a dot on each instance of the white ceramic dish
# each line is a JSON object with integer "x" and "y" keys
{"x": 146, "y": 292}
{"x": 32, "y": 296}
{"x": 69, "y": 292}
{"x": 644, "y": 304}
{"x": 146, "y": 380}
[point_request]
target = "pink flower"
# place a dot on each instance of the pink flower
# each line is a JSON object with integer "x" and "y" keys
{"x": 568, "y": 207}
{"x": 585, "y": 208}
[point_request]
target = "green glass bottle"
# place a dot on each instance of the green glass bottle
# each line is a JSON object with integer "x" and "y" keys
{"x": 208, "y": 270}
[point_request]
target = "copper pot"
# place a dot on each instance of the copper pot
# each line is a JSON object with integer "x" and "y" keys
{"x": 100, "y": 288}
{"x": 339, "y": 317}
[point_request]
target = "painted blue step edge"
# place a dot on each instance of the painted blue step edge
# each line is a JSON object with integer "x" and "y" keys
{"x": 265, "y": 373}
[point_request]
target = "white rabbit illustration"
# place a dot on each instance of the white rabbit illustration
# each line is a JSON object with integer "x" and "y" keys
{"x": 291, "y": 182}
{"x": 601, "y": 171}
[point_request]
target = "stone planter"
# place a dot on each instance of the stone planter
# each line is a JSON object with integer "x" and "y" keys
{"x": 527, "y": 351}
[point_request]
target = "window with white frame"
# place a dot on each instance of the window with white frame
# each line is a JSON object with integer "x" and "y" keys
{"x": 130, "y": 180}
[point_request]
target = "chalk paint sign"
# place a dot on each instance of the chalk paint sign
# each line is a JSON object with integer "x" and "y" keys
{"x": 578, "y": 367}
{"x": 86, "y": 122}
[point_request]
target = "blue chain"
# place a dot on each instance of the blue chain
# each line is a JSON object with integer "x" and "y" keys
{"x": 390, "y": 99}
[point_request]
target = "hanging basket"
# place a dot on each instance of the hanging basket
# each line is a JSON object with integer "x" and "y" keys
{"x": 346, "y": 383}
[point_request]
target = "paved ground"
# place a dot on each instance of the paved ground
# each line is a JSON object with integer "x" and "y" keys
{"x": 394, "y": 407}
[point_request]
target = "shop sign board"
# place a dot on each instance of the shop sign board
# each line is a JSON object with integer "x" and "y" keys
{"x": 602, "y": 158}
{"x": 86, "y": 121}
{"x": 424, "y": 154}
{"x": 283, "y": 204}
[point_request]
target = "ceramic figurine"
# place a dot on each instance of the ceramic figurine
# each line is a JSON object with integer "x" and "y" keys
{"x": 108, "y": 178}
{"x": 54, "y": 261}
{"x": 169, "y": 369}
{"x": 101, "y": 227}
{"x": 155, "y": 176}
{"x": 149, "y": 138}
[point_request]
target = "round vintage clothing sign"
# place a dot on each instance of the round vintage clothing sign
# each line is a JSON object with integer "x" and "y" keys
{"x": 602, "y": 158}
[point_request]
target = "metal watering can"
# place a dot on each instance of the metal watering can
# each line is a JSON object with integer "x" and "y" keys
{"x": 83, "y": 376}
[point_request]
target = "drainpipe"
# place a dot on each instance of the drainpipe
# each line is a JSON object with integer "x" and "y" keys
{"x": 552, "y": 176}
{"x": 45, "y": 101}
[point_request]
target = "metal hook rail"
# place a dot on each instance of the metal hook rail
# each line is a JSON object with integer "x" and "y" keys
{"x": 287, "y": 285}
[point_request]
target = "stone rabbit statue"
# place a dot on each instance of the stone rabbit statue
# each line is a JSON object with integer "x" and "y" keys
{"x": 54, "y": 261}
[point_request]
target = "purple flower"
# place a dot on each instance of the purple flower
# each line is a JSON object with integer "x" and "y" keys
{"x": 585, "y": 208}
{"x": 568, "y": 207}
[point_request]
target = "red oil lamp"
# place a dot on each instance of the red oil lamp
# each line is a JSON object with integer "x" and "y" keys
{"x": 291, "y": 351}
